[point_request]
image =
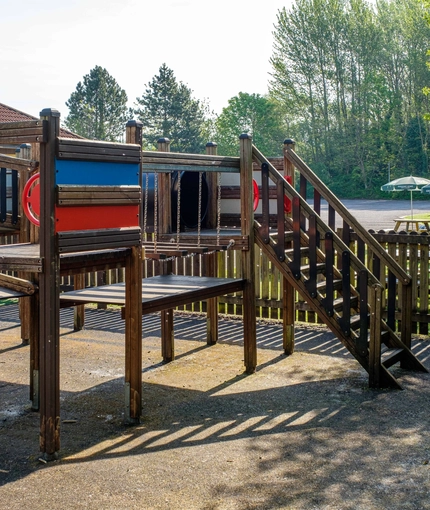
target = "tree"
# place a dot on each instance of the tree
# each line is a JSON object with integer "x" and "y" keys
{"x": 255, "y": 115}
{"x": 98, "y": 107}
{"x": 350, "y": 74}
{"x": 167, "y": 109}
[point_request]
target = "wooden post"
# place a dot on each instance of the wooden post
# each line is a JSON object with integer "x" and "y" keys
{"x": 375, "y": 300}
{"x": 288, "y": 292}
{"x": 164, "y": 193}
{"x": 165, "y": 227}
{"x": 24, "y": 237}
{"x": 79, "y": 310}
{"x": 49, "y": 295}
{"x": 212, "y": 181}
{"x": 133, "y": 309}
{"x": 212, "y": 266}
{"x": 34, "y": 335}
{"x": 133, "y": 336}
{"x": 406, "y": 318}
{"x": 248, "y": 255}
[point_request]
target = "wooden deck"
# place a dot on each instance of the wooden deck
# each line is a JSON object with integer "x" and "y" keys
{"x": 158, "y": 292}
{"x": 26, "y": 257}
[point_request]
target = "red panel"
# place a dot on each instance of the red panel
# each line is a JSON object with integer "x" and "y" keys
{"x": 287, "y": 201}
{"x": 96, "y": 217}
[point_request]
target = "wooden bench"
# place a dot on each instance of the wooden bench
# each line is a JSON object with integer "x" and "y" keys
{"x": 412, "y": 224}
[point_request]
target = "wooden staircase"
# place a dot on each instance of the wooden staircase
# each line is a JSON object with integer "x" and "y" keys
{"x": 359, "y": 308}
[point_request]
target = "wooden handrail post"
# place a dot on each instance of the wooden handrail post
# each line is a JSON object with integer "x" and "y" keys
{"x": 49, "y": 295}
{"x": 133, "y": 134}
{"x": 24, "y": 152}
{"x": 212, "y": 267}
{"x": 288, "y": 292}
{"x": 248, "y": 256}
{"x": 375, "y": 300}
{"x": 212, "y": 181}
{"x": 164, "y": 193}
{"x": 165, "y": 227}
{"x": 133, "y": 305}
{"x": 406, "y": 314}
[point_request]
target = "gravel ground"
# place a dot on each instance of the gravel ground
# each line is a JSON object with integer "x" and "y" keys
{"x": 304, "y": 432}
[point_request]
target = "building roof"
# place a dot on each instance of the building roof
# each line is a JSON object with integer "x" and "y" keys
{"x": 8, "y": 114}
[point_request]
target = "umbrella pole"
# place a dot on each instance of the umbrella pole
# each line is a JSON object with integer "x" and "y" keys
{"x": 412, "y": 208}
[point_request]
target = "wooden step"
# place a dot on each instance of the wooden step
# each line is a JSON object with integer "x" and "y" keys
{"x": 304, "y": 252}
{"x": 321, "y": 286}
{"x": 338, "y": 303}
{"x": 305, "y": 269}
{"x": 288, "y": 235}
{"x": 391, "y": 356}
{"x": 355, "y": 322}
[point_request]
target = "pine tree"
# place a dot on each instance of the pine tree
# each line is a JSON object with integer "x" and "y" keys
{"x": 167, "y": 109}
{"x": 98, "y": 107}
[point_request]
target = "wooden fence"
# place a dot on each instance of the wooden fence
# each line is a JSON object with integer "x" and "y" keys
{"x": 411, "y": 251}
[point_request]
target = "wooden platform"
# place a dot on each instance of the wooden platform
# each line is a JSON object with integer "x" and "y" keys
{"x": 26, "y": 257}
{"x": 158, "y": 292}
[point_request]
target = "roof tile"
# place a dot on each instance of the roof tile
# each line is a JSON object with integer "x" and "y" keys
{"x": 8, "y": 114}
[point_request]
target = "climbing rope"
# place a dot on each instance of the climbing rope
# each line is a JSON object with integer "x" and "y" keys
{"x": 155, "y": 211}
{"x": 199, "y": 211}
{"x": 178, "y": 211}
{"x": 145, "y": 208}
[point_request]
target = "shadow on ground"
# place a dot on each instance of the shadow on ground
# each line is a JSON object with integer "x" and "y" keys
{"x": 303, "y": 432}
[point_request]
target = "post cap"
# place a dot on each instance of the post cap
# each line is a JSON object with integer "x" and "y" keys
{"x": 289, "y": 141}
{"x": 245, "y": 136}
{"x": 49, "y": 112}
{"x": 211, "y": 144}
{"x": 134, "y": 123}
{"x": 163, "y": 140}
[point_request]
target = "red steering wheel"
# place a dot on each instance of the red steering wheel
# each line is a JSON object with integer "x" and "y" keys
{"x": 31, "y": 199}
{"x": 287, "y": 201}
{"x": 256, "y": 194}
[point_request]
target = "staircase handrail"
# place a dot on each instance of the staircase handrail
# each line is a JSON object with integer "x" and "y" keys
{"x": 275, "y": 175}
{"x": 337, "y": 205}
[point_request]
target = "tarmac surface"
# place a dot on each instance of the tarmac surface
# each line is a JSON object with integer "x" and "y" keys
{"x": 380, "y": 214}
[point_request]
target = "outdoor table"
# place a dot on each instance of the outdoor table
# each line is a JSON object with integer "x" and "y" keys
{"x": 411, "y": 224}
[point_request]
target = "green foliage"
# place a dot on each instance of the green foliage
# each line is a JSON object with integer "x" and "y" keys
{"x": 349, "y": 75}
{"x": 253, "y": 114}
{"x": 98, "y": 107}
{"x": 168, "y": 110}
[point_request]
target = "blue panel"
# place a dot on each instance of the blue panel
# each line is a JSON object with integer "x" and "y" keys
{"x": 96, "y": 173}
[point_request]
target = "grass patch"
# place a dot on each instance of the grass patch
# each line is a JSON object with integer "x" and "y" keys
{"x": 8, "y": 302}
{"x": 420, "y": 216}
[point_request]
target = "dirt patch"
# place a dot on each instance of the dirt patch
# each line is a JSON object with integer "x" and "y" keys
{"x": 304, "y": 432}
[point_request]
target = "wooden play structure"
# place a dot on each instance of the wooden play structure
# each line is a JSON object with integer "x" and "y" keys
{"x": 93, "y": 216}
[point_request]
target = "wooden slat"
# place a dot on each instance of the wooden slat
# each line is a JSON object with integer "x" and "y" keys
{"x": 98, "y": 195}
{"x": 34, "y": 132}
{"x": 84, "y": 240}
{"x": 424, "y": 286}
{"x": 17, "y": 284}
{"x": 97, "y": 151}
{"x": 25, "y": 124}
{"x": 17, "y": 163}
{"x": 218, "y": 163}
{"x": 23, "y": 132}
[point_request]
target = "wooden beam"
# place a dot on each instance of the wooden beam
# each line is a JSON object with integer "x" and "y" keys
{"x": 248, "y": 256}
{"x": 49, "y": 297}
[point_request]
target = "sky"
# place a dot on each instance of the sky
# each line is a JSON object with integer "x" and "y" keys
{"x": 217, "y": 49}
